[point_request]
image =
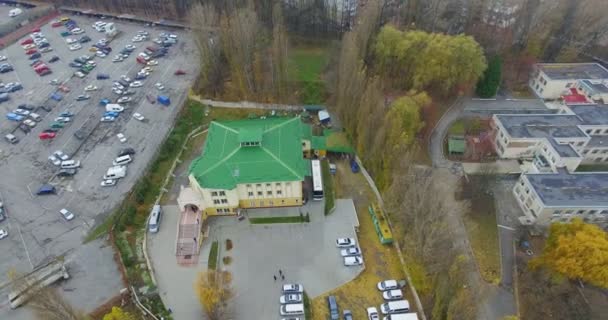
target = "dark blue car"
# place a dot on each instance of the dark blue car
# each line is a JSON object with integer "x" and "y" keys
{"x": 102, "y": 76}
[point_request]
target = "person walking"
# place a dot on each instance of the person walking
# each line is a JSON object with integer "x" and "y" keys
{"x": 275, "y": 277}
{"x": 282, "y": 277}
{"x": 280, "y": 272}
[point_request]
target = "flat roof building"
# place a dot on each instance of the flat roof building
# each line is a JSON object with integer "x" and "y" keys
{"x": 552, "y": 80}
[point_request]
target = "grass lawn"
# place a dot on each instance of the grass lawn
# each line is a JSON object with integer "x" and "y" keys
{"x": 305, "y": 67}
{"x": 328, "y": 187}
{"x": 268, "y": 220}
{"x": 381, "y": 262}
{"x": 212, "y": 263}
{"x": 480, "y": 223}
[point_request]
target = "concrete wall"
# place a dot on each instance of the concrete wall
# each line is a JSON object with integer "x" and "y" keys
{"x": 546, "y": 88}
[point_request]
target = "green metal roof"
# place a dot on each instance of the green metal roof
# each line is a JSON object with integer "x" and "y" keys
{"x": 250, "y": 135}
{"x": 224, "y": 163}
{"x": 456, "y": 144}
{"x": 319, "y": 143}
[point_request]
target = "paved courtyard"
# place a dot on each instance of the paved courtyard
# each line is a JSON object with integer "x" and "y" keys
{"x": 306, "y": 254}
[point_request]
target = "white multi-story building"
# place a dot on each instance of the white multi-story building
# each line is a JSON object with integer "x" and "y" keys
{"x": 560, "y": 196}
{"x": 557, "y": 143}
{"x": 552, "y": 80}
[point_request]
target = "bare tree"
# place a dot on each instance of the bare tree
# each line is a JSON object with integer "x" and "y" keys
{"x": 48, "y": 304}
{"x": 204, "y": 21}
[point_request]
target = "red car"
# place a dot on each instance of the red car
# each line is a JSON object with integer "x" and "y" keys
{"x": 38, "y": 64}
{"x": 47, "y": 135}
{"x": 30, "y": 51}
{"x": 36, "y": 30}
{"x": 44, "y": 72}
{"x": 180, "y": 72}
{"x": 141, "y": 60}
{"x": 27, "y": 41}
{"x": 56, "y": 24}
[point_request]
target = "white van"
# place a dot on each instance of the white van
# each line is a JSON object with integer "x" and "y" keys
{"x": 122, "y": 160}
{"x": 70, "y": 164}
{"x": 402, "y": 316}
{"x": 11, "y": 138}
{"x": 35, "y": 117}
{"x": 399, "y": 306}
{"x": 292, "y": 309}
{"x": 154, "y": 221}
{"x": 116, "y": 172}
{"x": 15, "y": 12}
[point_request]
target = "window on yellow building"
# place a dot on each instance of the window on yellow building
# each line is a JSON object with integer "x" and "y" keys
{"x": 214, "y": 194}
{"x": 269, "y": 193}
{"x": 260, "y": 193}
{"x": 222, "y": 193}
{"x": 279, "y": 192}
{"x": 224, "y": 201}
{"x": 250, "y": 194}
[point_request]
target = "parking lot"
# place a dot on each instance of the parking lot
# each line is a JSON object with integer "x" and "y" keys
{"x": 36, "y": 229}
{"x": 305, "y": 253}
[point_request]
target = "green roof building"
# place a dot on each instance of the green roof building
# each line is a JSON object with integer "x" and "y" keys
{"x": 252, "y": 163}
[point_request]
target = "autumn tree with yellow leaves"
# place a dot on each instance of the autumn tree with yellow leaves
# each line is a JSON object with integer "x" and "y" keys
{"x": 576, "y": 250}
{"x": 118, "y": 314}
{"x": 214, "y": 290}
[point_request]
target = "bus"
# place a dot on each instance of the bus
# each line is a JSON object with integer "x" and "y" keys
{"x": 317, "y": 180}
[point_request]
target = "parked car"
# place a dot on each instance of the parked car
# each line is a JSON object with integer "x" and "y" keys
{"x": 352, "y": 251}
{"x": 121, "y": 137}
{"x": 345, "y": 242}
{"x": 21, "y": 112}
{"x": 348, "y": 315}
{"x": 84, "y": 39}
{"x": 332, "y": 305}
{"x": 138, "y": 116}
{"x": 47, "y": 135}
{"x": 124, "y": 99}
{"x": 395, "y": 294}
{"x": 35, "y": 56}
{"x": 291, "y": 298}
{"x": 54, "y": 59}
{"x": 54, "y": 160}
{"x": 75, "y": 47}
{"x": 3, "y": 234}
{"x": 14, "y": 117}
{"x": 372, "y": 314}
{"x": 159, "y": 86}
{"x": 107, "y": 119}
{"x": 66, "y": 172}
{"x": 61, "y": 155}
{"x": 66, "y": 214}
{"x": 63, "y": 119}
{"x": 108, "y": 183}
{"x": 66, "y": 114}
{"x": 83, "y": 97}
{"x": 292, "y": 288}
{"x": 102, "y": 76}
{"x": 126, "y": 151}
{"x": 353, "y": 261}
{"x": 387, "y": 285}
{"x": 90, "y": 88}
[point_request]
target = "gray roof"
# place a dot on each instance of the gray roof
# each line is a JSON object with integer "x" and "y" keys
{"x": 598, "y": 142}
{"x": 591, "y": 114}
{"x": 530, "y": 126}
{"x": 564, "y": 150}
{"x": 596, "y": 87}
{"x": 574, "y": 71}
{"x": 571, "y": 189}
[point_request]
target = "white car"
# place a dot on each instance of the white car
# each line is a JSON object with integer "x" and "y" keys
{"x": 117, "y": 91}
{"x": 395, "y": 294}
{"x": 138, "y": 116}
{"x": 66, "y": 214}
{"x": 345, "y": 242}
{"x": 159, "y": 86}
{"x": 2, "y": 58}
{"x": 152, "y": 63}
{"x": 117, "y": 59}
{"x": 372, "y": 314}
{"x": 54, "y": 82}
{"x": 100, "y": 54}
{"x": 124, "y": 100}
{"x": 75, "y": 47}
{"x": 136, "y": 84}
{"x": 61, "y": 155}
{"x": 118, "y": 86}
{"x": 70, "y": 40}
{"x": 125, "y": 78}
{"x": 130, "y": 47}
{"x": 352, "y": 251}
{"x": 62, "y": 119}
{"x": 290, "y": 298}
{"x": 121, "y": 137}
{"x": 22, "y": 112}
{"x": 77, "y": 31}
{"x": 353, "y": 261}
{"x": 292, "y": 288}
{"x": 147, "y": 69}
{"x": 90, "y": 88}
{"x": 29, "y": 122}
{"x": 108, "y": 183}
{"x": 54, "y": 160}
{"x": 3, "y": 234}
{"x": 28, "y": 46}
{"x": 387, "y": 285}
{"x": 137, "y": 39}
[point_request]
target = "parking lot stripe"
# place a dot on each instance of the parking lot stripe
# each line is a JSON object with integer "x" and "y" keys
{"x": 27, "y": 252}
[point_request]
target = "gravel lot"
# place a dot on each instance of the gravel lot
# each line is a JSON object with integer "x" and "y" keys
{"x": 36, "y": 229}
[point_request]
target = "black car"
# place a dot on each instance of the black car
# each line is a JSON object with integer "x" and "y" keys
{"x": 102, "y": 76}
{"x": 126, "y": 151}
{"x": 54, "y": 59}
{"x": 80, "y": 60}
{"x": 46, "y": 108}
{"x": 28, "y": 107}
{"x": 24, "y": 128}
{"x": 43, "y": 45}
{"x": 35, "y": 56}
{"x": 79, "y": 134}
{"x": 66, "y": 172}
{"x": 84, "y": 39}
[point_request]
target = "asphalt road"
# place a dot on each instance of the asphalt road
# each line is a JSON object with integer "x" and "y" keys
{"x": 36, "y": 229}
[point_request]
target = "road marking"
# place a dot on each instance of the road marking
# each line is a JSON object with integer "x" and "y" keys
{"x": 25, "y": 247}
{"x": 505, "y": 227}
